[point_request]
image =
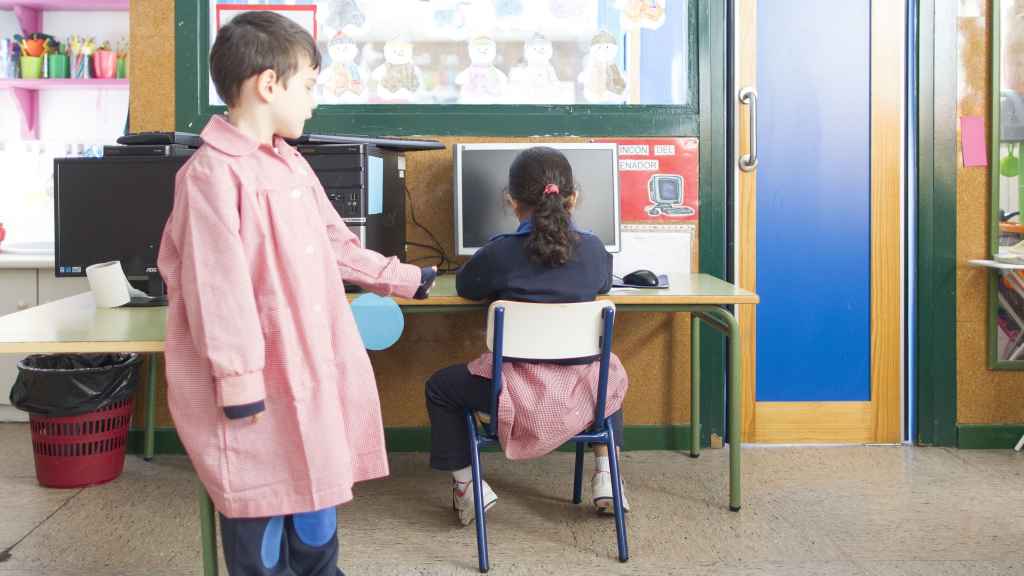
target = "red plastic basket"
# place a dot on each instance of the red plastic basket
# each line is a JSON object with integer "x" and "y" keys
{"x": 75, "y": 451}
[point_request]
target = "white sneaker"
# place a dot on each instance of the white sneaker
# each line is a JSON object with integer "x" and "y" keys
{"x": 601, "y": 489}
{"x": 462, "y": 500}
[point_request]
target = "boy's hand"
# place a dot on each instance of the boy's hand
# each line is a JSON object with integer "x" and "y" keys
{"x": 427, "y": 278}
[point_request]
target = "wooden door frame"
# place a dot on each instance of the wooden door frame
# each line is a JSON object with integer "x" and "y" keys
{"x": 880, "y": 419}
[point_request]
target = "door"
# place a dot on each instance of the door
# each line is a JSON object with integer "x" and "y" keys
{"x": 819, "y": 217}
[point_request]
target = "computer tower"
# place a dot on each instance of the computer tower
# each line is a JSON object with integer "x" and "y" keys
{"x": 366, "y": 185}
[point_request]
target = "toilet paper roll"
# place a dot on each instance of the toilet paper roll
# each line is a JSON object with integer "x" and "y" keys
{"x": 108, "y": 284}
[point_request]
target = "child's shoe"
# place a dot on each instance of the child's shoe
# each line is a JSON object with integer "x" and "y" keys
{"x": 462, "y": 500}
{"x": 601, "y": 489}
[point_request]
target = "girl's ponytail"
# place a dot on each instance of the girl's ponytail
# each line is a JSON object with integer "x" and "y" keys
{"x": 540, "y": 179}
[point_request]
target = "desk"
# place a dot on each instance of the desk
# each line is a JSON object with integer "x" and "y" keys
{"x": 75, "y": 325}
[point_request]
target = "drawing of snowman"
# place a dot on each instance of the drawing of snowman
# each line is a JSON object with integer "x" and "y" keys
{"x": 482, "y": 82}
{"x": 398, "y": 79}
{"x": 601, "y": 78}
{"x": 535, "y": 81}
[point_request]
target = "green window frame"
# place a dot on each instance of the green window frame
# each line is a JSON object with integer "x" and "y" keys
{"x": 193, "y": 110}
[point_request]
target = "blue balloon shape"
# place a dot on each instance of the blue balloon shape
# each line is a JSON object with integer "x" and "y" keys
{"x": 380, "y": 321}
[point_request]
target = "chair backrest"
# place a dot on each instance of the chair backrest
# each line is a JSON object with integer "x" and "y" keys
{"x": 549, "y": 331}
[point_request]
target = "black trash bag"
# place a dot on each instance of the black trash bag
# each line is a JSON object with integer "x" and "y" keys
{"x": 72, "y": 384}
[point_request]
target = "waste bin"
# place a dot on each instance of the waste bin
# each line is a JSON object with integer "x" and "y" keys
{"x": 80, "y": 409}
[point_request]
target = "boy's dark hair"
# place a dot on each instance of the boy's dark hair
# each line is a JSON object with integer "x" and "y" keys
{"x": 552, "y": 240}
{"x": 254, "y": 42}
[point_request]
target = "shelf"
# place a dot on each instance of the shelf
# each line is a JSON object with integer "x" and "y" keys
{"x": 65, "y": 84}
{"x": 30, "y": 19}
{"x": 26, "y": 93}
{"x": 66, "y": 5}
{"x": 28, "y": 11}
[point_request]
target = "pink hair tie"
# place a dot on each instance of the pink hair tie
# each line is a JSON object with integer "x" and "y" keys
{"x": 551, "y": 189}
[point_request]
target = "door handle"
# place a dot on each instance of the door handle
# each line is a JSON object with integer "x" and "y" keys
{"x": 748, "y": 162}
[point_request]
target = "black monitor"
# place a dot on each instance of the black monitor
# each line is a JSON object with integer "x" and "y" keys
{"x": 112, "y": 208}
{"x": 481, "y": 176}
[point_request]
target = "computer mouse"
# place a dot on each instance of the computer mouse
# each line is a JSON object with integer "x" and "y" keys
{"x": 641, "y": 278}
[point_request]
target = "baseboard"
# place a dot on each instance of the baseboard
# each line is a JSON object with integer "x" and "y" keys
{"x": 9, "y": 413}
{"x": 988, "y": 436}
{"x": 417, "y": 439}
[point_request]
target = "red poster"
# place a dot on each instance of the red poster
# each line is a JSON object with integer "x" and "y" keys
{"x": 657, "y": 179}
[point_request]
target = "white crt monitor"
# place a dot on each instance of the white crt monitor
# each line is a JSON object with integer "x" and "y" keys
{"x": 481, "y": 179}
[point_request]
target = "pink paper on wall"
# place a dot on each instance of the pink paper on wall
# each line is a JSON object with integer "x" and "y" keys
{"x": 972, "y": 141}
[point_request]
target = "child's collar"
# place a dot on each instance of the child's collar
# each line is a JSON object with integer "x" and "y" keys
{"x": 526, "y": 226}
{"x": 223, "y": 136}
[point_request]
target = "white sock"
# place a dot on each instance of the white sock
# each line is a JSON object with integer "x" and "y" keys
{"x": 601, "y": 464}
{"x": 463, "y": 476}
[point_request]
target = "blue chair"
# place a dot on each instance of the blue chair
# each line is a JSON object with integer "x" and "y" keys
{"x": 578, "y": 330}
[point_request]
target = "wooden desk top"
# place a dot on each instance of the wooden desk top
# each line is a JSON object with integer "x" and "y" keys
{"x": 75, "y": 324}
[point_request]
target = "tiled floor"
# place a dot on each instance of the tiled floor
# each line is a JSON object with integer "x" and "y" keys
{"x": 865, "y": 511}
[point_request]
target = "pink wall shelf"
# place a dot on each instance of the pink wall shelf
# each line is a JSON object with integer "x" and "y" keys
{"x": 29, "y": 14}
{"x": 27, "y": 11}
{"x": 69, "y": 5}
{"x": 26, "y": 92}
{"x": 64, "y": 83}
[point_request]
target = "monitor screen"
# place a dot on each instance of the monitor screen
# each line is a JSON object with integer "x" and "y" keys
{"x": 111, "y": 208}
{"x": 668, "y": 189}
{"x": 481, "y": 178}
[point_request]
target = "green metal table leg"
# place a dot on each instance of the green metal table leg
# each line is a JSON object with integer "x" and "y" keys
{"x": 694, "y": 385}
{"x": 150, "y": 430}
{"x": 735, "y": 409}
{"x": 208, "y": 528}
{"x": 722, "y": 319}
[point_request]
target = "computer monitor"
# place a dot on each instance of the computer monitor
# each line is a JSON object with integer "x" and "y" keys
{"x": 481, "y": 177}
{"x": 666, "y": 194}
{"x": 112, "y": 208}
{"x": 666, "y": 189}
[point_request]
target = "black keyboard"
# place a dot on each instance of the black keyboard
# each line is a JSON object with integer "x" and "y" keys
{"x": 163, "y": 138}
{"x": 401, "y": 144}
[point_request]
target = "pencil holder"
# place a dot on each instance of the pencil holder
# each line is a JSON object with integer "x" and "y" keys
{"x": 80, "y": 66}
{"x": 31, "y": 67}
{"x": 57, "y": 66}
{"x": 104, "y": 63}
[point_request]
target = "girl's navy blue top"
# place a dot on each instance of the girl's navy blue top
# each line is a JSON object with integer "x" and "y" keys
{"x": 503, "y": 270}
